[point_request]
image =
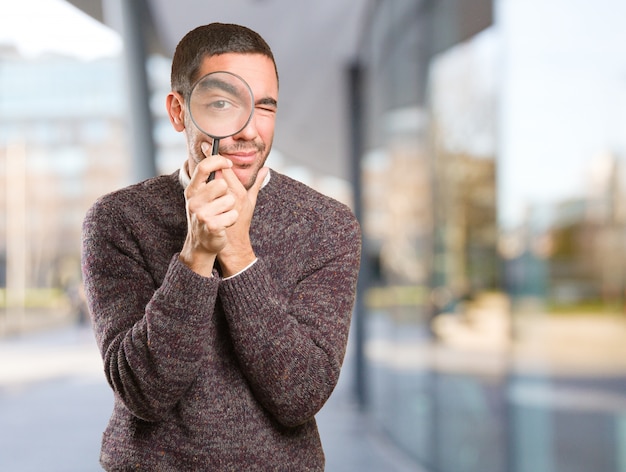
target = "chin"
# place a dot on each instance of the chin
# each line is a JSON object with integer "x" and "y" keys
{"x": 246, "y": 177}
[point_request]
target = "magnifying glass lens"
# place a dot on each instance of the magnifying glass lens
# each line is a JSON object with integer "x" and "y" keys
{"x": 221, "y": 104}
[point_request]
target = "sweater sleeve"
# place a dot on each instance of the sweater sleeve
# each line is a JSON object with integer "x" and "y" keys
{"x": 291, "y": 347}
{"x": 150, "y": 336}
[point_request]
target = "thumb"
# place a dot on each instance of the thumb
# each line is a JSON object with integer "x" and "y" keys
{"x": 253, "y": 192}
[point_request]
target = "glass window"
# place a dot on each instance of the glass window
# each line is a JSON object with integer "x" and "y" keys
{"x": 496, "y": 325}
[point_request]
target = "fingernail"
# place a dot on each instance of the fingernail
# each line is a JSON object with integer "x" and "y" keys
{"x": 204, "y": 146}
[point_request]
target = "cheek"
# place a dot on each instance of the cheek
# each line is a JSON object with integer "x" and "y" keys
{"x": 194, "y": 139}
{"x": 265, "y": 127}
{"x": 193, "y": 144}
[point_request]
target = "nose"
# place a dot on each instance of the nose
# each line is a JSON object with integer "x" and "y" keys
{"x": 249, "y": 132}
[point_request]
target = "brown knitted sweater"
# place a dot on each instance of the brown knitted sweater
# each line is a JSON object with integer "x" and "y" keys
{"x": 212, "y": 374}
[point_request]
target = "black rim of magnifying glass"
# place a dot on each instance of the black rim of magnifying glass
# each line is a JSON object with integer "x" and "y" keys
{"x": 216, "y": 139}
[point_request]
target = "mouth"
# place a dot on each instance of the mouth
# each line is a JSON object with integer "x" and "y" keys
{"x": 241, "y": 158}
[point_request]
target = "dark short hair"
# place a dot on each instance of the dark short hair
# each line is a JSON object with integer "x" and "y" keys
{"x": 212, "y": 40}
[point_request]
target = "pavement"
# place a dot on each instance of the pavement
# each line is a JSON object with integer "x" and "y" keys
{"x": 55, "y": 403}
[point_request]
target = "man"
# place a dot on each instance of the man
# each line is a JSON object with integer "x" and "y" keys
{"x": 222, "y": 307}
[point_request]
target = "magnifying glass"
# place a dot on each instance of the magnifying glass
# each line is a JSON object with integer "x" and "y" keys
{"x": 220, "y": 104}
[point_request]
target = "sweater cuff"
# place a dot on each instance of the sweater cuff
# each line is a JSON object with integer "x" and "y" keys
{"x": 247, "y": 291}
{"x": 242, "y": 270}
{"x": 186, "y": 290}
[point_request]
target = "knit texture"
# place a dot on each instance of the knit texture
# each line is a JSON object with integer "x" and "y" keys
{"x": 211, "y": 374}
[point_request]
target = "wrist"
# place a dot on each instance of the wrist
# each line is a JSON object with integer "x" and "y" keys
{"x": 199, "y": 262}
{"x": 233, "y": 264}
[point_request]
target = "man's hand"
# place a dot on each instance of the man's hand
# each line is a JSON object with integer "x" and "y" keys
{"x": 211, "y": 209}
{"x": 237, "y": 253}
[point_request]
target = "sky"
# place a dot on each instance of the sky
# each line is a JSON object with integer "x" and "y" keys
{"x": 36, "y": 27}
{"x": 563, "y": 98}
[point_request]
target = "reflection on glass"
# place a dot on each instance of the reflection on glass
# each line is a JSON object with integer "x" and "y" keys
{"x": 520, "y": 364}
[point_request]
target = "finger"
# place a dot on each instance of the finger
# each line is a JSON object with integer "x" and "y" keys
{"x": 220, "y": 222}
{"x": 206, "y": 166}
{"x": 232, "y": 180}
{"x": 206, "y": 149}
{"x": 215, "y": 215}
{"x": 205, "y": 192}
{"x": 211, "y": 199}
{"x": 214, "y": 163}
{"x": 253, "y": 192}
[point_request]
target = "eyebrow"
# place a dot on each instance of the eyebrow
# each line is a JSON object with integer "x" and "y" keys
{"x": 220, "y": 84}
{"x": 267, "y": 101}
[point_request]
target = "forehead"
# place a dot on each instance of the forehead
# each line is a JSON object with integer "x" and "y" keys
{"x": 256, "y": 69}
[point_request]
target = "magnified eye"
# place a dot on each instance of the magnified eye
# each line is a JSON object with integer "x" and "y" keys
{"x": 220, "y": 105}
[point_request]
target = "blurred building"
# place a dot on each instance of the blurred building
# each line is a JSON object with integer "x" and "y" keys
{"x": 494, "y": 212}
{"x": 62, "y": 145}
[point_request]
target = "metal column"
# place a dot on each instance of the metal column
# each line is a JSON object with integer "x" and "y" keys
{"x": 356, "y": 116}
{"x": 127, "y": 17}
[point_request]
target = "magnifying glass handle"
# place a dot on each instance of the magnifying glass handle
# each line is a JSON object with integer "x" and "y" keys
{"x": 214, "y": 151}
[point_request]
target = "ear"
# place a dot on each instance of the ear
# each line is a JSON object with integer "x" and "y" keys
{"x": 176, "y": 110}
